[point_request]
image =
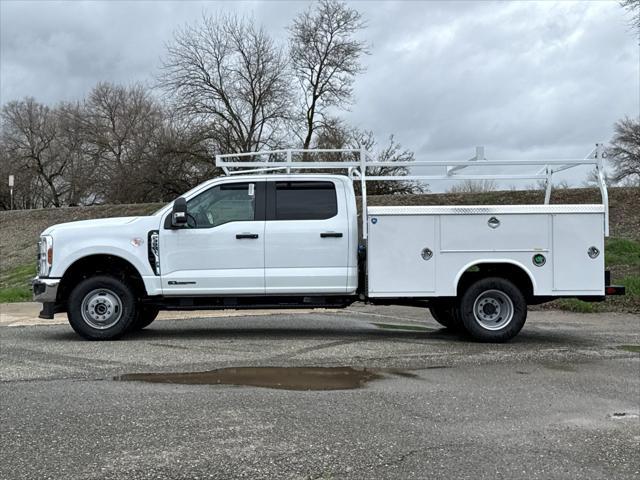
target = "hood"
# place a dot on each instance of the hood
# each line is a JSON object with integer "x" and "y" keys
{"x": 97, "y": 223}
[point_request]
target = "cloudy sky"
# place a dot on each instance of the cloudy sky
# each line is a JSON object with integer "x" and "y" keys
{"x": 525, "y": 79}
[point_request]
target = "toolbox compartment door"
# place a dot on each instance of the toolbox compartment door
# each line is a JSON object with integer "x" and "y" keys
{"x": 573, "y": 268}
{"x": 395, "y": 263}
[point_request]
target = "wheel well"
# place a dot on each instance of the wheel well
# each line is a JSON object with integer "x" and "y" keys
{"x": 95, "y": 265}
{"x": 509, "y": 271}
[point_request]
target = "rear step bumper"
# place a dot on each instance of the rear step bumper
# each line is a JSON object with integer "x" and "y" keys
{"x": 609, "y": 289}
{"x": 614, "y": 290}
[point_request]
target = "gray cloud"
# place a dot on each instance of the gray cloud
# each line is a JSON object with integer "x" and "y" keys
{"x": 545, "y": 79}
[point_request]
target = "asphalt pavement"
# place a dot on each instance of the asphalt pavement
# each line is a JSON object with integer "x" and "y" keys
{"x": 363, "y": 393}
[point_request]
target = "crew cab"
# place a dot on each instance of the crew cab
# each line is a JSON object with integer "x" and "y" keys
{"x": 259, "y": 238}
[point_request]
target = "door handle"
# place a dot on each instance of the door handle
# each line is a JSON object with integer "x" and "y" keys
{"x": 240, "y": 236}
{"x": 330, "y": 235}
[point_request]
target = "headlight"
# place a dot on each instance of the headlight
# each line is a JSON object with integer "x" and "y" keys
{"x": 45, "y": 255}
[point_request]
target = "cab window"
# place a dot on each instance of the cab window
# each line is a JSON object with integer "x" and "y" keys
{"x": 232, "y": 202}
{"x": 305, "y": 200}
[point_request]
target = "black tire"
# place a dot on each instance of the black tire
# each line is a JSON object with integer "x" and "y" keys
{"x": 446, "y": 314}
{"x": 146, "y": 315}
{"x": 119, "y": 313}
{"x": 493, "y": 309}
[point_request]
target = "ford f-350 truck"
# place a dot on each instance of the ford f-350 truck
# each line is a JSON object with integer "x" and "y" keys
{"x": 266, "y": 235}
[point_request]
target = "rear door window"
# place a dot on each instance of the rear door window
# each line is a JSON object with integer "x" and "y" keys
{"x": 305, "y": 200}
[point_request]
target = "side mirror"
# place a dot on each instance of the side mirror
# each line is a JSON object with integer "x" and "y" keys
{"x": 179, "y": 213}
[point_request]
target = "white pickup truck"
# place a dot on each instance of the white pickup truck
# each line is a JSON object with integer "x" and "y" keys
{"x": 264, "y": 236}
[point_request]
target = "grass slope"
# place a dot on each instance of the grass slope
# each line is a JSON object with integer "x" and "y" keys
{"x": 19, "y": 231}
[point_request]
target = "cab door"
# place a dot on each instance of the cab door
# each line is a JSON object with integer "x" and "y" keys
{"x": 306, "y": 237}
{"x": 221, "y": 251}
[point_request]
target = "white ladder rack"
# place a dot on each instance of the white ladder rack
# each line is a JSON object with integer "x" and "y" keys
{"x": 286, "y": 161}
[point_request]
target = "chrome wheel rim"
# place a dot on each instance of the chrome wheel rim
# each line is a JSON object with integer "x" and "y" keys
{"x": 101, "y": 309}
{"x": 493, "y": 310}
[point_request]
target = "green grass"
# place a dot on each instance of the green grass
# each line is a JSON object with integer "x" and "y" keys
{"x": 15, "y": 294}
{"x": 630, "y": 302}
{"x": 15, "y": 284}
{"x": 575, "y": 305}
{"x": 622, "y": 251}
{"x": 632, "y": 284}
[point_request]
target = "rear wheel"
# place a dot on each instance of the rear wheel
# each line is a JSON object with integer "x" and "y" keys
{"x": 445, "y": 313}
{"x": 101, "y": 308}
{"x": 493, "y": 310}
{"x": 146, "y": 315}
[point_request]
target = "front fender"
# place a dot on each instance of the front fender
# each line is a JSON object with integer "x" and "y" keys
{"x": 67, "y": 257}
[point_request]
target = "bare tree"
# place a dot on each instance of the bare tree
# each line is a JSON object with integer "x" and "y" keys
{"x": 30, "y": 134}
{"x": 593, "y": 180}
{"x": 82, "y": 168}
{"x": 229, "y": 75}
{"x": 119, "y": 145}
{"x": 183, "y": 158}
{"x": 624, "y": 152}
{"x": 391, "y": 152}
{"x": 334, "y": 134}
{"x": 325, "y": 57}
{"x": 121, "y": 126}
{"x": 633, "y": 6}
{"x": 473, "y": 186}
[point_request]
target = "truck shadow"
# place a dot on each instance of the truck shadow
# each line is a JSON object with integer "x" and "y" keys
{"x": 185, "y": 330}
{"x": 276, "y": 333}
{"x": 530, "y": 338}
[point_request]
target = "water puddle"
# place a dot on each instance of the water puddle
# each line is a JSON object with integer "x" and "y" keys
{"x": 284, "y": 378}
{"x": 630, "y": 348}
{"x": 559, "y": 367}
{"x": 402, "y": 328}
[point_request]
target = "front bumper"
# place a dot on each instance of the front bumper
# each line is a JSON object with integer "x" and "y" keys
{"x": 45, "y": 290}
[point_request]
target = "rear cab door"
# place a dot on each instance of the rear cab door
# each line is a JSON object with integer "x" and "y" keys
{"x": 306, "y": 237}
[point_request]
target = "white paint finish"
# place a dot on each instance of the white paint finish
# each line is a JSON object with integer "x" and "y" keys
{"x": 76, "y": 240}
{"x": 573, "y": 234}
{"x": 299, "y": 260}
{"x": 214, "y": 259}
{"x": 464, "y": 240}
{"x": 291, "y": 257}
{"x": 293, "y": 280}
{"x": 394, "y": 261}
{"x": 472, "y": 232}
{"x": 354, "y": 239}
{"x": 451, "y": 267}
{"x": 152, "y": 284}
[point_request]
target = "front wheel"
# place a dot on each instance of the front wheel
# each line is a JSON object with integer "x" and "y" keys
{"x": 493, "y": 310}
{"x": 101, "y": 308}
